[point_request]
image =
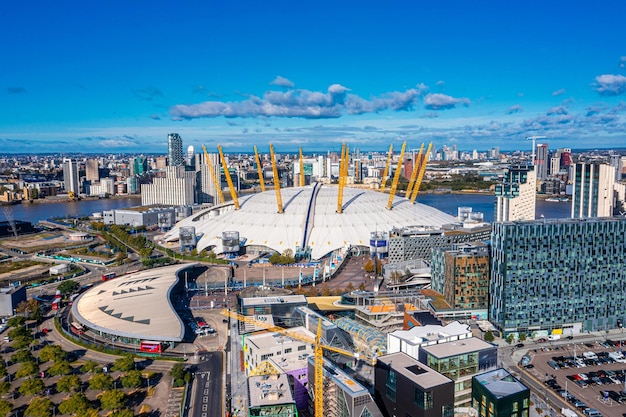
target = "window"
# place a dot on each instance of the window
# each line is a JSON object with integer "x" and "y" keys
{"x": 422, "y": 399}
{"x": 390, "y": 385}
{"x": 288, "y": 350}
{"x": 447, "y": 410}
{"x": 303, "y": 347}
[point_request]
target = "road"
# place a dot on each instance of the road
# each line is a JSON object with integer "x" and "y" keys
{"x": 207, "y": 395}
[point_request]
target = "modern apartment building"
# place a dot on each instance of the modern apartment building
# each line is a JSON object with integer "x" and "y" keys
{"x": 270, "y": 396}
{"x": 405, "y": 387}
{"x": 558, "y": 275}
{"x": 176, "y": 189}
{"x": 175, "y": 150}
{"x": 460, "y": 361}
{"x": 461, "y": 274}
{"x": 515, "y": 195}
{"x": 91, "y": 170}
{"x": 70, "y": 176}
{"x": 410, "y": 341}
{"x": 593, "y": 189}
{"x": 499, "y": 394}
{"x": 542, "y": 161}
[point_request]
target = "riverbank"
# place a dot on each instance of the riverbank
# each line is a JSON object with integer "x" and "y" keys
{"x": 56, "y": 200}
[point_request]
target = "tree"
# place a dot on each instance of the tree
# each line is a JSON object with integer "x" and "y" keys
{"x": 5, "y": 386}
{"x": 22, "y": 355}
{"x": 68, "y": 383}
{"x": 17, "y": 321}
{"x": 369, "y": 266}
{"x": 39, "y": 407}
{"x": 326, "y": 290}
{"x": 18, "y": 332}
{"x": 27, "y": 369}
{"x": 88, "y": 412}
{"x": 112, "y": 400}
{"x": 75, "y": 403}
{"x": 101, "y": 382}
{"x": 22, "y": 341}
{"x": 522, "y": 337}
{"x": 489, "y": 336}
{"x": 34, "y": 193}
{"x": 177, "y": 371}
{"x": 349, "y": 287}
{"x": 32, "y": 387}
{"x": 52, "y": 353}
{"x": 61, "y": 367}
{"x": 132, "y": 379}
{"x": 92, "y": 367}
{"x": 361, "y": 286}
{"x": 5, "y": 407}
{"x": 29, "y": 308}
{"x": 124, "y": 364}
{"x": 68, "y": 287}
{"x": 509, "y": 339}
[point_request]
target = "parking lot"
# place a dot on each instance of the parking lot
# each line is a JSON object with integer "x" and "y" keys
{"x": 590, "y": 377}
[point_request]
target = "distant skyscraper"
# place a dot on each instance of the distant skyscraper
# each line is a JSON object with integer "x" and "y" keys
{"x": 175, "y": 150}
{"x": 176, "y": 189}
{"x": 70, "y": 176}
{"x": 189, "y": 156}
{"x": 139, "y": 165}
{"x": 542, "y": 161}
{"x": 515, "y": 195}
{"x": 91, "y": 168}
{"x": 208, "y": 192}
{"x": 616, "y": 162}
{"x": 592, "y": 194}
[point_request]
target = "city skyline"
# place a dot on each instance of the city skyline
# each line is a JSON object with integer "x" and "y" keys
{"x": 311, "y": 75}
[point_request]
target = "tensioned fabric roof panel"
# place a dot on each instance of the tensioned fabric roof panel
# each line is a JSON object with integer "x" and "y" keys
{"x": 135, "y": 306}
{"x": 258, "y": 220}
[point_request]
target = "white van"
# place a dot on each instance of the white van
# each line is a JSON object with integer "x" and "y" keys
{"x": 554, "y": 337}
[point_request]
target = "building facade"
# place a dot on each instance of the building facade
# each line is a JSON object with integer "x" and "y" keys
{"x": 10, "y": 298}
{"x": 92, "y": 172}
{"x": 558, "y": 275}
{"x": 405, "y": 387}
{"x": 175, "y": 150}
{"x": 515, "y": 195}
{"x": 460, "y": 361}
{"x": 592, "y": 194}
{"x": 461, "y": 274}
{"x": 176, "y": 189}
{"x": 498, "y": 394}
{"x": 542, "y": 161}
{"x": 70, "y": 176}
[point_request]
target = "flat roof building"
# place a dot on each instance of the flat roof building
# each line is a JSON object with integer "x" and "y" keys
{"x": 270, "y": 396}
{"x": 498, "y": 393}
{"x": 409, "y": 341}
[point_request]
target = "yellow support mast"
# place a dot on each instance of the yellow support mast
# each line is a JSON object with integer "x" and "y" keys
{"x": 216, "y": 182}
{"x": 418, "y": 182}
{"x": 414, "y": 173}
{"x": 259, "y": 169}
{"x": 341, "y": 182}
{"x": 279, "y": 199}
{"x": 386, "y": 171}
{"x": 301, "y": 169}
{"x": 396, "y": 178}
{"x": 231, "y": 187}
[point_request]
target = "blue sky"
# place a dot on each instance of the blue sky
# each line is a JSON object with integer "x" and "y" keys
{"x": 118, "y": 76}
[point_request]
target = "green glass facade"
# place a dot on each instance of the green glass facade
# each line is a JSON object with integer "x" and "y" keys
{"x": 556, "y": 274}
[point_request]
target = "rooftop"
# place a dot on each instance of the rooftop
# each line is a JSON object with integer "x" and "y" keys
{"x": 457, "y": 347}
{"x": 501, "y": 383}
{"x": 413, "y": 370}
{"x": 267, "y": 390}
{"x": 431, "y": 333}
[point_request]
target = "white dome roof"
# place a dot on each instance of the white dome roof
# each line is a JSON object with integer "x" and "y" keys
{"x": 258, "y": 220}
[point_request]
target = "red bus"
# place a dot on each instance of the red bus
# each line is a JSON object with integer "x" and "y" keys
{"x": 150, "y": 346}
{"x": 107, "y": 276}
{"x": 56, "y": 304}
{"x": 77, "y": 328}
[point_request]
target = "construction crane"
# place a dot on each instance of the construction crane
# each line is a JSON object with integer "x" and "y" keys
{"x": 279, "y": 199}
{"x": 420, "y": 176}
{"x": 534, "y": 139}
{"x": 396, "y": 178}
{"x": 318, "y": 350}
{"x": 216, "y": 182}
{"x": 386, "y": 171}
{"x": 259, "y": 169}
{"x": 301, "y": 169}
{"x": 414, "y": 173}
{"x": 229, "y": 181}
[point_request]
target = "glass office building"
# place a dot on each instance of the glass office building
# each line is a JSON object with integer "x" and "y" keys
{"x": 558, "y": 276}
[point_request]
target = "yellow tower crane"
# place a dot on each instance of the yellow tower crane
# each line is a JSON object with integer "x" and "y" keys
{"x": 318, "y": 350}
{"x": 279, "y": 199}
{"x": 301, "y": 169}
{"x": 418, "y": 182}
{"x": 229, "y": 181}
{"x": 216, "y": 182}
{"x": 396, "y": 178}
{"x": 386, "y": 171}
{"x": 414, "y": 173}
{"x": 259, "y": 169}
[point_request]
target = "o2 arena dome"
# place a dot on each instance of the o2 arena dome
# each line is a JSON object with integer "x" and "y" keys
{"x": 309, "y": 220}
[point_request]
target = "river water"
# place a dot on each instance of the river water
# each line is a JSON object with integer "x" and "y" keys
{"x": 447, "y": 203}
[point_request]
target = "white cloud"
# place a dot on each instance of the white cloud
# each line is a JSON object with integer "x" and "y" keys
{"x": 558, "y": 92}
{"x": 556, "y": 111}
{"x": 282, "y": 82}
{"x": 610, "y": 84}
{"x": 442, "y": 101}
{"x": 515, "y": 109}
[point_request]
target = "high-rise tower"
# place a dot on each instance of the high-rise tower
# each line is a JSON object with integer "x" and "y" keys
{"x": 592, "y": 195}
{"x": 515, "y": 195}
{"x": 70, "y": 176}
{"x": 542, "y": 161}
{"x": 175, "y": 150}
